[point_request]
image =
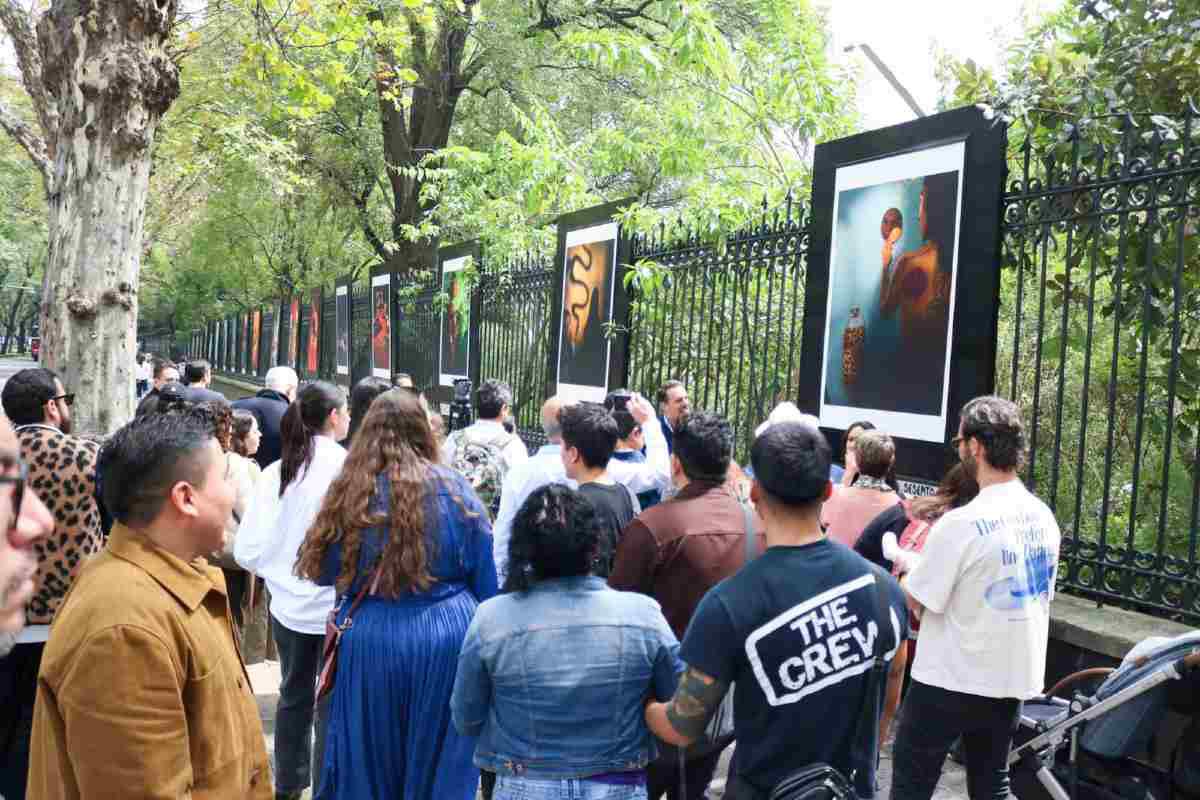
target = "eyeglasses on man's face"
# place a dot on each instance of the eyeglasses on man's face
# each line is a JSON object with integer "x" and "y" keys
{"x": 68, "y": 398}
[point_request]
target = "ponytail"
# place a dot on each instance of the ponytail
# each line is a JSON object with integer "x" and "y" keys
{"x": 303, "y": 420}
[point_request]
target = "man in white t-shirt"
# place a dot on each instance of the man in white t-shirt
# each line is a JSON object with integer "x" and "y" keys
{"x": 983, "y": 587}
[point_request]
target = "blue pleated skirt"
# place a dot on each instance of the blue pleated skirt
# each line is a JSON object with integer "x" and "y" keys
{"x": 390, "y": 735}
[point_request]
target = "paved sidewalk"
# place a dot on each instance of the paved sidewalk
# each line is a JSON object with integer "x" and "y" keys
{"x": 953, "y": 786}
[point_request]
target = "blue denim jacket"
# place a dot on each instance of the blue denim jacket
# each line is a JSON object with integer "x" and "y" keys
{"x": 553, "y": 681}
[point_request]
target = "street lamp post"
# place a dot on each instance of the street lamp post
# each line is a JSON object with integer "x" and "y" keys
{"x": 889, "y": 75}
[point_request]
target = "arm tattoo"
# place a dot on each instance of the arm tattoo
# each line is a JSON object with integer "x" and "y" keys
{"x": 694, "y": 702}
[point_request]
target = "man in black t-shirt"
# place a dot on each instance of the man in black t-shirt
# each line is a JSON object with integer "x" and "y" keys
{"x": 589, "y": 436}
{"x": 795, "y": 631}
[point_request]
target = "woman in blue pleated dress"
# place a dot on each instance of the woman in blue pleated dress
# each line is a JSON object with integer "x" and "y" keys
{"x": 397, "y": 521}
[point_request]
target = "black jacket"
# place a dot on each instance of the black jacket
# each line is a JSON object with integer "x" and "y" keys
{"x": 268, "y": 406}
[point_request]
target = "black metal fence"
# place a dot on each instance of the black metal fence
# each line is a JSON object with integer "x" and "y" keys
{"x": 1099, "y": 341}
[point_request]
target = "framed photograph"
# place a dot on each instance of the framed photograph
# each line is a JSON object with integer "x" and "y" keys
{"x": 902, "y": 292}
{"x": 381, "y": 325}
{"x": 276, "y": 322}
{"x": 588, "y": 285}
{"x": 342, "y": 329}
{"x": 314, "y": 332}
{"x": 293, "y": 359}
{"x": 255, "y": 336}
{"x": 244, "y": 349}
{"x": 454, "y": 349}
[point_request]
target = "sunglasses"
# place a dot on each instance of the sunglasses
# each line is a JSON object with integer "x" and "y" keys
{"x": 68, "y": 398}
{"x": 18, "y": 481}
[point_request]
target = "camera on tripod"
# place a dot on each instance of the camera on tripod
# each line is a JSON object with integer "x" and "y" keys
{"x": 460, "y": 405}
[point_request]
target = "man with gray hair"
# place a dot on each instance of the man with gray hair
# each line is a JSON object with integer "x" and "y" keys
{"x": 982, "y": 588}
{"x": 268, "y": 407}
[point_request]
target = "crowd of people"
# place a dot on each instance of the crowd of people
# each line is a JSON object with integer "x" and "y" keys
{"x": 600, "y": 619}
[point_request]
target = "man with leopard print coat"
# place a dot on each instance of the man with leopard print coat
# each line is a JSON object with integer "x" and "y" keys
{"x": 62, "y": 473}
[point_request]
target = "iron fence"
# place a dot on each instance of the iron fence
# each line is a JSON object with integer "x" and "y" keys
{"x": 1099, "y": 328}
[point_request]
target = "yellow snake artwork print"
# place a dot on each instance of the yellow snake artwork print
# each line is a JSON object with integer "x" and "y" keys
{"x": 587, "y": 265}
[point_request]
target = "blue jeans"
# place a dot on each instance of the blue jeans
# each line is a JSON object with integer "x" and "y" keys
{"x": 510, "y": 788}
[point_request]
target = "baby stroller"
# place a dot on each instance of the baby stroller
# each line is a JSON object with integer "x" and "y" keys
{"x": 1086, "y": 747}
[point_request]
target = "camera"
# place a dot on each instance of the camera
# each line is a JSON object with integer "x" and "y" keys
{"x": 460, "y": 405}
{"x": 618, "y": 400}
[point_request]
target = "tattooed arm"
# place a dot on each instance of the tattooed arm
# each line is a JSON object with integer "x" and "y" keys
{"x": 682, "y": 720}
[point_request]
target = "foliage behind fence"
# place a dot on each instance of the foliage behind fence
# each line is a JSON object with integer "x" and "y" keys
{"x": 1099, "y": 342}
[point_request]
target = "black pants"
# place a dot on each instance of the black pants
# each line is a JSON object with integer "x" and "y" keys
{"x": 18, "y": 691}
{"x": 662, "y": 775}
{"x": 236, "y": 584}
{"x": 299, "y": 660}
{"x": 931, "y": 720}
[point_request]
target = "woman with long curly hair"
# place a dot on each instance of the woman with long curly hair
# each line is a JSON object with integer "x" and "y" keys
{"x": 414, "y": 533}
{"x": 554, "y": 675}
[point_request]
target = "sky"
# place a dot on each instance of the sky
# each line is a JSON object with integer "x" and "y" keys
{"x": 905, "y": 34}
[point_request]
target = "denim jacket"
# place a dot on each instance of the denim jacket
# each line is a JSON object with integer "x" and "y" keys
{"x": 553, "y": 680}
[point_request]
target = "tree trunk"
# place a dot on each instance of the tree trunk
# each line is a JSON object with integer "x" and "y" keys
{"x": 105, "y": 68}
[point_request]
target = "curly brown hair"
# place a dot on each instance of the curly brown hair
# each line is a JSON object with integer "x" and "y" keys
{"x": 222, "y": 414}
{"x": 395, "y": 440}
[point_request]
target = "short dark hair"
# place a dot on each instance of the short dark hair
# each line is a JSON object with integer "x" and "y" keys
{"x": 361, "y": 397}
{"x": 556, "y": 534}
{"x": 491, "y": 397}
{"x": 862, "y": 425}
{"x": 874, "y": 452}
{"x": 161, "y": 365}
{"x": 626, "y": 424}
{"x": 143, "y": 460}
{"x": 195, "y": 371}
{"x": 168, "y": 397}
{"x": 25, "y": 395}
{"x": 591, "y": 430}
{"x": 996, "y": 423}
{"x": 661, "y": 396}
{"x": 791, "y": 463}
{"x": 704, "y": 444}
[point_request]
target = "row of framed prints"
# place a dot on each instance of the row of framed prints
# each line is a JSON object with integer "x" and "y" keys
{"x": 901, "y": 290}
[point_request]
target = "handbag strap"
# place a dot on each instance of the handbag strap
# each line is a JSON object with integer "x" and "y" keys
{"x": 368, "y": 587}
{"x": 860, "y": 751}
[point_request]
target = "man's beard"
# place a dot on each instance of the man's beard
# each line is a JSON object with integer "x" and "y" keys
{"x": 65, "y": 426}
{"x": 971, "y": 466}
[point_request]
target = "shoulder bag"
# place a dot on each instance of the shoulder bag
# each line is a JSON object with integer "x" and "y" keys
{"x": 333, "y": 635}
{"x": 823, "y": 781}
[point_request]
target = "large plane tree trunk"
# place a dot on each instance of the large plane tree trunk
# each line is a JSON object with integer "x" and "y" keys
{"x": 100, "y": 80}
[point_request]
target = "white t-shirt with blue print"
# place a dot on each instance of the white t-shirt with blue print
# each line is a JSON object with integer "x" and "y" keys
{"x": 986, "y": 579}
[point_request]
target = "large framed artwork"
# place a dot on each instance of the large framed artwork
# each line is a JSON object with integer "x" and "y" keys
{"x": 255, "y": 337}
{"x": 313, "y": 364}
{"x": 457, "y": 319}
{"x": 276, "y": 322}
{"x": 903, "y": 284}
{"x": 591, "y": 307}
{"x": 244, "y": 354}
{"x": 293, "y": 359}
{"x": 342, "y": 330}
{"x": 381, "y": 324}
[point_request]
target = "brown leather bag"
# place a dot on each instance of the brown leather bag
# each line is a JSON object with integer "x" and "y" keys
{"x": 333, "y": 636}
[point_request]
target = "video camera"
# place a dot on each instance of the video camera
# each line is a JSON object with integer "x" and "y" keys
{"x": 460, "y": 405}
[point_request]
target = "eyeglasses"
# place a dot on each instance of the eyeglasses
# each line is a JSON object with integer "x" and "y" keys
{"x": 68, "y": 398}
{"x": 956, "y": 441}
{"x": 18, "y": 481}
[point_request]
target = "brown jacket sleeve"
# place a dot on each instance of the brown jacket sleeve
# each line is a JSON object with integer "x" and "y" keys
{"x": 124, "y": 718}
{"x": 637, "y": 557}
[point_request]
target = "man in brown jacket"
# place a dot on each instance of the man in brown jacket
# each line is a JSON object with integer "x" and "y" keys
{"x": 676, "y": 551}
{"x": 142, "y": 692}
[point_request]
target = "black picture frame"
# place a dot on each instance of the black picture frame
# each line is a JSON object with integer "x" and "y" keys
{"x": 972, "y": 349}
{"x": 343, "y": 312}
{"x": 618, "y": 349}
{"x": 447, "y": 254}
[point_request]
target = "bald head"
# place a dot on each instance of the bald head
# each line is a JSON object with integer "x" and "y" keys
{"x": 550, "y": 425}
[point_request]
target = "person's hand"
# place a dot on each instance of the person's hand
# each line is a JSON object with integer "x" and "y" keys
{"x": 640, "y": 408}
{"x": 851, "y": 471}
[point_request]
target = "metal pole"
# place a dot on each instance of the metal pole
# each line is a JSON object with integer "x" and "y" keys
{"x": 891, "y": 78}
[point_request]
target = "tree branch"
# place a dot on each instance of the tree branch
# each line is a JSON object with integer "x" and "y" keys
{"x": 33, "y": 144}
{"x": 19, "y": 27}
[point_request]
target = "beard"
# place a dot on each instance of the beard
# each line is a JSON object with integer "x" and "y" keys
{"x": 971, "y": 466}
{"x": 65, "y": 426}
